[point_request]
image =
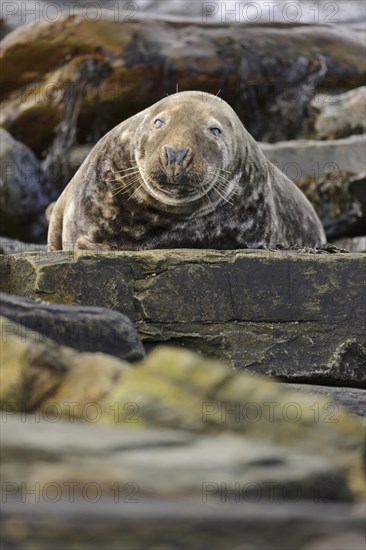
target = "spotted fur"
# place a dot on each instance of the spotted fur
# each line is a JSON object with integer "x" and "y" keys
{"x": 220, "y": 191}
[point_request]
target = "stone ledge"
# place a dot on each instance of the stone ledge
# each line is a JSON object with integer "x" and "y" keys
{"x": 288, "y": 314}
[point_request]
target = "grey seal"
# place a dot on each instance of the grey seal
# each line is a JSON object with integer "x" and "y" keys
{"x": 182, "y": 173}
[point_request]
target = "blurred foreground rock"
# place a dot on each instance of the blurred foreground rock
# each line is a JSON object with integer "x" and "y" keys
{"x": 175, "y": 446}
{"x": 352, "y": 399}
{"x": 174, "y": 388}
{"x": 81, "y": 327}
{"x": 24, "y": 191}
{"x": 293, "y": 315}
{"x": 97, "y": 486}
{"x": 34, "y": 367}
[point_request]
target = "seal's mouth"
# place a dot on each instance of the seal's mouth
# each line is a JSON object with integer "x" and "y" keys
{"x": 175, "y": 194}
{"x": 181, "y": 188}
{"x": 175, "y": 191}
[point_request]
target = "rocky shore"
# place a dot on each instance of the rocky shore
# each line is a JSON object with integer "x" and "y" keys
{"x": 183, "y": 398}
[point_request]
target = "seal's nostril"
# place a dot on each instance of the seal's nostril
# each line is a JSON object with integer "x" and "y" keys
{"x": 181, "y": 153}
{"x": 175, "y": 155}
{"x": 170, "y": 154}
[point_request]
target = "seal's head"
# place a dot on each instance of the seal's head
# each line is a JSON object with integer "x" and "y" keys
{"x": 185, "y": 149}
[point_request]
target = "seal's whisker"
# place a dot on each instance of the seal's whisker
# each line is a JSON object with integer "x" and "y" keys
{"x": 206, "y": 194}
{"x": 214, "y": 172}
{"x": 122, "y": 179}
{"x": 126, "y": 187}
{"x": 131, "y": 196}
{"x": 223, "y": 187}
{"x": 126, "y": 181}
{"x": 223, "y": 182}
{"x": 125, "y": 170}
{"x": 222, "y": 196}
{"x": 127, "y": 177}
{"x": 133, "y": 167}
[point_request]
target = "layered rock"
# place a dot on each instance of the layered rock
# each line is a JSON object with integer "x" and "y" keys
{"x": 331, "y": 175}
{"x": 34, "y": 367}
{"x": 84, "y": 485}
{"x": 24, "y": 193}
{"x": 338, "y": 116}
{"x": 174, "y": 388}
{"x": 81, "y": 327}
{"x": 174, "y": 440}
{"x": 287, "y": 314}
{"x": 112, "y": 68}
{"x": 355, "y": 244}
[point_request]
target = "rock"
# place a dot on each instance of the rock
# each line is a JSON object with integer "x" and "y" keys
{"x": 4, "y": 28}
{"x": 215, "y": 451}
{"x": 80, "y": 327}
{"x": 330, "y": 174}
{"x": 350, "y": 12}
{"x": 34, "y": 367}
{"x": 252, "y": 308}
{"x": 13, "y": 246}
{"x": 25, "y": 193}
{"x": 62, "y": 162}
{"x": 77, "y": 156}
{"x": 338, "y": 116}
{"x": 174, "y": 388}
{"x": 357, "y": 244}
{"x": 301, "y": 158}
{"x": 146, "y": 488}
{"x": 163, "y": 463}
{"x": 132, "y": 61}
{"x": 158, "y": 523}
{"x": 351, "y": 398}
{"x": 339, "y": 204}
{"x": 358, "y": 190}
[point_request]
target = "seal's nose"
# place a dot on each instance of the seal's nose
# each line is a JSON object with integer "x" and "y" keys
{"x": 175, "y": 162}
{"x": 175, "y": 155}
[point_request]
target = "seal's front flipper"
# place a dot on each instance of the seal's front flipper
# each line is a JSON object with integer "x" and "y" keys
{"x": 84, "y": 243}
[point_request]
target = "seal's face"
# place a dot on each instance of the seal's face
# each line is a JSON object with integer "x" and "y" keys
{"x": 185, "y": 150}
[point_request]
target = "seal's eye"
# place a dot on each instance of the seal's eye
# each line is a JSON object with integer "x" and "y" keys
{"x": 158, "y": 123}
{"x": 215, "y": 131}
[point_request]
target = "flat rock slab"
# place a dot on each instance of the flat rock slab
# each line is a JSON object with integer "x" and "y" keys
{"x": 357, "y": 244}
{"x": 155, "y": 524}
{"x": 303, "y": 157}
{"x": 161, "y": 462}
{"x": 82, "y": 327}
{"x": 82, "y": 485}
{"x": 292, "y": 315}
